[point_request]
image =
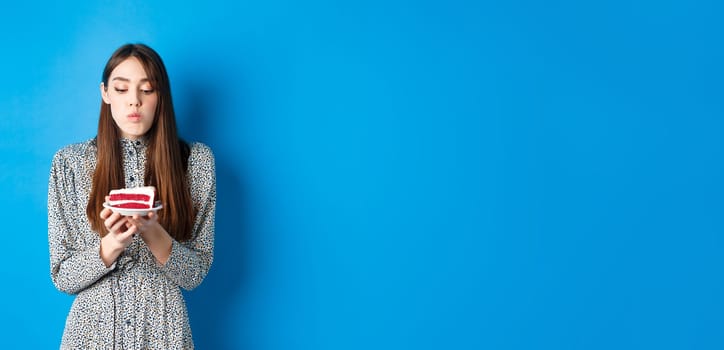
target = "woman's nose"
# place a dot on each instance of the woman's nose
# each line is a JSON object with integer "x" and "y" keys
{"x": 134, "y": 100}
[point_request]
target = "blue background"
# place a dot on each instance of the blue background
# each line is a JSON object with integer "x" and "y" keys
{"x": 404, "y": 174}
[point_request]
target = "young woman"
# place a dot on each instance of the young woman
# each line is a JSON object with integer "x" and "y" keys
{"x": 127, "y": 271}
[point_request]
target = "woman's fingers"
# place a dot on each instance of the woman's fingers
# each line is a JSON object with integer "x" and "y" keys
{"x": 120, "y": 228}
{"x": 133, "y": 220}
{"x": 111, "y": 220}
{"x": 123, "y": 227}
{"x": 144, "y": 223}
{"x": 139, "y": 221}
{"x": 118, "y": 225}
{"x": 122, "y": 231}
{"x": 105, "y": 213}
{"x": 128, "y": 233}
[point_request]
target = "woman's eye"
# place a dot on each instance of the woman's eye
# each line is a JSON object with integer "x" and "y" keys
{"x": 120, "y": 91}
{"x": 147, "y": 91}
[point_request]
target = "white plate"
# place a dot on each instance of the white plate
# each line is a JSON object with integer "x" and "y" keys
{"x": 131, "y": 212}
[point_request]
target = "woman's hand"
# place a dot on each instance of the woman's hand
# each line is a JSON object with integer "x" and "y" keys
{"x": 120, "y": 235}
{"x": 148, "y": 225}
{"x": 155, "y": 236}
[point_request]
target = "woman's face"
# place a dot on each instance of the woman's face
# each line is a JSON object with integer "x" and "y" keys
{"x": 132, "y": 98}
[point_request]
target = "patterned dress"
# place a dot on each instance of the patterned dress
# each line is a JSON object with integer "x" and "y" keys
{"x": 136, "y": 303}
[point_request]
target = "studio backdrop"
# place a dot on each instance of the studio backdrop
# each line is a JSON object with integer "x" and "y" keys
{"x": 404, "y": 174}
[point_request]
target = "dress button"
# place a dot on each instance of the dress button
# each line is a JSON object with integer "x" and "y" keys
{"x": 128, "y": 322}
{"x": 131, "y": 179}
{"x": 138, "y": 143}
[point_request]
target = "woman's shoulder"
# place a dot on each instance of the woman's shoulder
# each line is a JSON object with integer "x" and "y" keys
{"x": 201, "y": 168}
{"x": 200, "y": 152}
{"x": 76, "y": 151}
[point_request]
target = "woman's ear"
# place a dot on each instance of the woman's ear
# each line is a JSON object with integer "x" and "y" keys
{"x": 104, "y": 94}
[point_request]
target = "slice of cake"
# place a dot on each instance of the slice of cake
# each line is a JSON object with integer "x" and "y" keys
{"x": 133, "y": 198}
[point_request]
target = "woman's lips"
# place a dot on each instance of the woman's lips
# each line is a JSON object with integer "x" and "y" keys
{"x": 134, "y": 116}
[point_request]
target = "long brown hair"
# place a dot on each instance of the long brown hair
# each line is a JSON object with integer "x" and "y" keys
{"x": 167, "y": 155}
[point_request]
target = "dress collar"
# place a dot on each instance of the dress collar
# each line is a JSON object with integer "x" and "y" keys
{"x": 139, "y": 142}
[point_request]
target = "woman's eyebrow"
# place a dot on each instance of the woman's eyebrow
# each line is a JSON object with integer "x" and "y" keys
{"x": 129, "y": 80}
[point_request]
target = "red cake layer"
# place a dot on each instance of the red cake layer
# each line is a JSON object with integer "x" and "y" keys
{"x": 130, "y": 197}
{"x": 132, "y": 205}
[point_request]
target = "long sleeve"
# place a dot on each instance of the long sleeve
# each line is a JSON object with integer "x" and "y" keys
{"x": 74, "y": 263}
{"x": 190, "y": 261}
